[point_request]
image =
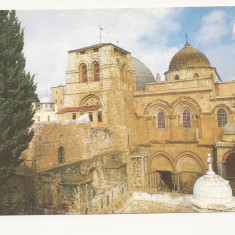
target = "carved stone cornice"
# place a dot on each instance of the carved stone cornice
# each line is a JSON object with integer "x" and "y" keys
{"x": 172, "y": 92}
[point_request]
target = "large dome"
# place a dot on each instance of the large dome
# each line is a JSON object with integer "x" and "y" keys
{"x": 188, "y": 57}
{"x": 143, "y": 74}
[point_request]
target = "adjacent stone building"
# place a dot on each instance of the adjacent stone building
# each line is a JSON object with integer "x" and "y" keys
{"x": 142, "y": 133}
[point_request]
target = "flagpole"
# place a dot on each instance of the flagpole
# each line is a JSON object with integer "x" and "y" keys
{"x": 100, "y": 34}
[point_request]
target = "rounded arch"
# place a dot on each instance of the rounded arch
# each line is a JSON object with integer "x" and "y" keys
{"x": 95, "y": 67}
{"x": 90, "y": 100}
{"x": 161, "y": 161}
{"x": 95, "y": 176}
{"x": 189, "y": 162}
{"x": 186, "y": 102}
{"x": 221, "y": 106}
{"x": 226, "y": 155}
{"x": 154, "y": 105}
{"x": 196, "y": 75}
{"x": 176, "y": 77}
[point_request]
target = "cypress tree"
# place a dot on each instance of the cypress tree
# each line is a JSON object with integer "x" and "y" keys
{"x": 17, "y": 92}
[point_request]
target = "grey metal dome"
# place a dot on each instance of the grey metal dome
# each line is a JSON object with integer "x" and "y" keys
{"x": 143, "y": 74}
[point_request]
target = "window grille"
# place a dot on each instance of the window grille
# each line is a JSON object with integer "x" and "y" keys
{"x": 186, "y": 118}
{"x": 161, "y": 120}
{"x": 222, "y": 117}
{"x": 61, "y": 155}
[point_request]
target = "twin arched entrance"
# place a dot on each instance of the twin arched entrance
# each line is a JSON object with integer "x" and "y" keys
{"x": 179, "y": 175}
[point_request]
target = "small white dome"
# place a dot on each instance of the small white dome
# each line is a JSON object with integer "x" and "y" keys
{"x": 47, "y": 99}
{"x": 212, "y": 192}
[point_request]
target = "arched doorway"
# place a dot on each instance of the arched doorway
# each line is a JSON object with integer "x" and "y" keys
{"x": 188, "y": 171}
{"x": 161, "y": 176}
{"x": 230, "y": 170}
{"x": 230, "y": 166}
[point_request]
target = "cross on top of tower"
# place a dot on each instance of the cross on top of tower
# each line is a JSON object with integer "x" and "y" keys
{"x": 186, "y": 39}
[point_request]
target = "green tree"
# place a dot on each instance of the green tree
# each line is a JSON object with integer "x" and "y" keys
{"x": 17, "y": 93}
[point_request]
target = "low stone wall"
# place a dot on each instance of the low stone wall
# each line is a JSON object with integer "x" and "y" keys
{"x": 167, "y": 198}
{"x": 158, "y": 202}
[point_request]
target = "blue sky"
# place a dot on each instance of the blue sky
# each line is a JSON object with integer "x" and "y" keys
{"x": 152, "y": 35}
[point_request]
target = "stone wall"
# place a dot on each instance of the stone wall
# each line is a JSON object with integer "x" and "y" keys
{"x": 72, "y": 189}
{"x": 79, "y": 141}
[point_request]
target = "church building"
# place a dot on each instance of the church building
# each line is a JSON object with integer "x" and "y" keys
{"x": 114, "y": 128}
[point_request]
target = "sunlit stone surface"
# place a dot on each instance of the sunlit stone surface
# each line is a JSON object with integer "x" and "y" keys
{"x": 143, "y": 202}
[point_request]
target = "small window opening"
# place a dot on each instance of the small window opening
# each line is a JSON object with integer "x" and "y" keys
{"x": 74, "y": 116}
{"x": 91, "y": 116}
{"x": 186, "y": 118}
{"x": 176, "y": 77}
{"x": 84, "y": 73}
{"x": 161, "y": 120}
{"x": 61, "y": 155}
{"x": 222, "y": 117}
{"x": 99, "y": 116}
{"x": 96, "y": 72}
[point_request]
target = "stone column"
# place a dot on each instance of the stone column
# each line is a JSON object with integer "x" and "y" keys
{"x": 139, "y": 172}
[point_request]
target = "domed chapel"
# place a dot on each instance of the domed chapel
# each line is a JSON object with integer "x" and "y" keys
{"x": 139, "y": 133}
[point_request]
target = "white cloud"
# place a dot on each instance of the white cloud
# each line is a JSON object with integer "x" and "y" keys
{"x": 213, "y": 28}
{"x": 50, "y": 34}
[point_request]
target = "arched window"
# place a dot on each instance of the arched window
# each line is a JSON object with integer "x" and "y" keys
{"x": 83, "y": 72}
{"x": 196, "y": 75}
{"x": 222, "y": 117}
{"x": 61, "y": 155}
{"x": 176, "y": 77}
{"x": 96, "y": 72}
{"x": 161, "y": 120}
{"x": 186, "y": 118}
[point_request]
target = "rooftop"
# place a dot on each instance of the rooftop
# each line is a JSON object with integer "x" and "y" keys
{"x": 99, "y": 45}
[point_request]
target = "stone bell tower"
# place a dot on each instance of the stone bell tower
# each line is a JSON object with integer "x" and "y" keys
{"x": 101, "y": 82}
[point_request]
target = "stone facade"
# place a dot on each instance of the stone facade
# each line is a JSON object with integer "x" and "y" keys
{"x": 154, "y": 138}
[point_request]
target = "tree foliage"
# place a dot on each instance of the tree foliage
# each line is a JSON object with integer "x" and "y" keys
{"x": 17, "y": 92}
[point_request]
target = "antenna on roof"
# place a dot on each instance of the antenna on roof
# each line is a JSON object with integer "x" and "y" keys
{"x": 186, "y": 39}
{"x": 117, "y": 42}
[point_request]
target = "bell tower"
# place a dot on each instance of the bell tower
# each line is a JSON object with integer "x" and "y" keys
{"x": 101, "y": 82}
